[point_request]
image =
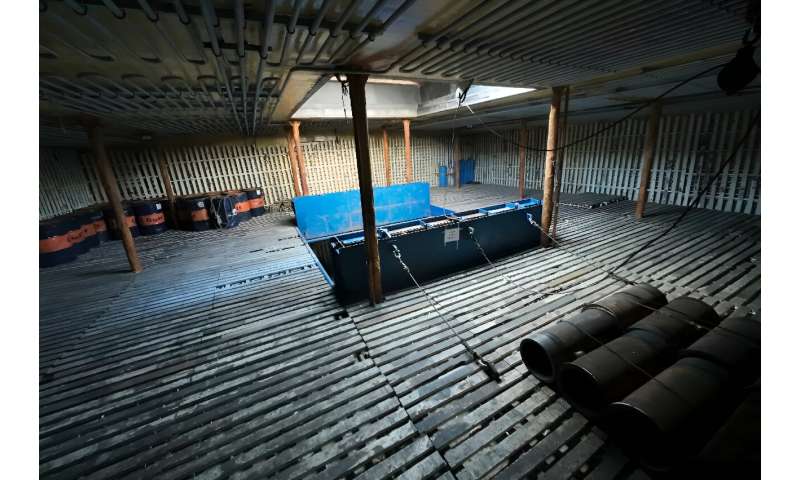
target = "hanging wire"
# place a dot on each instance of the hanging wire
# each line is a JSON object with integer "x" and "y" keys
{"x": 604, "y": 129}
{"x": 462, "y": 97}
{"x": 680, "y": 315}
{"x": 665, "y": 310}
{"x": 700, "y": 195}
{"x": 660, "y": 234}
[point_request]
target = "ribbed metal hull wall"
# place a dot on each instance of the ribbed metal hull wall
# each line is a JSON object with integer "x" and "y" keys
{"x": 330, "y": 163}
{"x": 62, "y": 183}
{"x": 197, "y": 169}
{"x": 690, "y": 150}
{"x": 497, "y": 160}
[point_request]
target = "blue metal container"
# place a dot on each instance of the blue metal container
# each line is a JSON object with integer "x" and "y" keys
{"x": 434, "y": 246}
{"x": 467, "y": 171}
{"x": 323, "y": 216}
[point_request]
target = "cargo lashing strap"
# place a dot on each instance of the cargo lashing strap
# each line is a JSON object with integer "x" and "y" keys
{"x": 488, "y": 368}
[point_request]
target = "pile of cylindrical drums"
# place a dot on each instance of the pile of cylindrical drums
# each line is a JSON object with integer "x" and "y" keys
{"x": 223, "y": 210}
{"x": 150, "y": 216}
{"x": 142, "y": 217}
{"x": 660, "y": 377}
{"x": 63, "y": 238}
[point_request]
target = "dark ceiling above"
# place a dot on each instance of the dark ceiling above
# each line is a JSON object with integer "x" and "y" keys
{"x": 185, "y": 68}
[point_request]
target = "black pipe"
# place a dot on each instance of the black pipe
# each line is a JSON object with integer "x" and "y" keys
{"x": 735, "y": 345}
{"x": 669, "y": 417}
{"x": 545, "y": 351}
{"x": 666, "y": 417}
{"x": 611, "y": 371}
{"x": 735, "y": 449}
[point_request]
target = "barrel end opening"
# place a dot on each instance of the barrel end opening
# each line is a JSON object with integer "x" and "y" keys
{"x": 639, "y": 434}
{"x": 581, "y": 389}
{"x": 538, "y": 360}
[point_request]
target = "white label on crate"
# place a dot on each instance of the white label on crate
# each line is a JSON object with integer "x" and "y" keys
{"x": 201, "y": 204}
{"x": 451, "y": 235}
{"x": 158, "y": 206}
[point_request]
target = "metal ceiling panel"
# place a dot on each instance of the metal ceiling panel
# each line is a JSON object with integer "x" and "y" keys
{"x": 203, "y": 67}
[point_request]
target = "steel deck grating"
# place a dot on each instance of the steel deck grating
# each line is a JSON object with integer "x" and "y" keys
{"x": 229, "y": 357}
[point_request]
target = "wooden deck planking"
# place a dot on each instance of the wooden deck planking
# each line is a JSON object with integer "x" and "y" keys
{"x": 216, "y": 365}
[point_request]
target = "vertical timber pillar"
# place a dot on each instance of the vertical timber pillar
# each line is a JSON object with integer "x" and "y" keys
{"x": 523, "y": 150}
{"x": 407, "y": 142}
{"x": 648, "y": 154}
{"x": 457, "y": 162}
{"x": 358, "y": 105}
{"x": 111, "y": 187}
{"x": 293, "y": 163}
{"x": 387, "y": 163}
{"x": 552, "y": 144}
{"x": 301, "y": 164}
{"x": 562, "y": 135}
{"x": 166, "y": 178}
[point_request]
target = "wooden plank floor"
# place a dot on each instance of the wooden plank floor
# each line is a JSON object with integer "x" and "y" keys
{"x": 229, "y": 357}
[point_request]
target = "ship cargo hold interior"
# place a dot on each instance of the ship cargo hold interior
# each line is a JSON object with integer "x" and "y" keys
{"x": 384, "y": 239}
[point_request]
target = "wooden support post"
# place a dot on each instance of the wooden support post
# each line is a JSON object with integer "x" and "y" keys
{"x": 293, "y": 162}
{"x": 457, "y": 161}
{"x": 407, "y": 141}
{"x": 387, "y": 163}
{"x": 562, "y": 135}
{"x": 523, "y": 153}
{"x": 109, "y": 181}
{"x": 552, "y": 143}
{"x": 358, "y": 105}
{"x": 301, "y": 164}
{"x": 648, "y": 154}
{"x": 166, "y": 178}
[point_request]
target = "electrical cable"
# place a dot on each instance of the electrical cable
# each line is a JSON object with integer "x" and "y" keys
{"x": 663, "y": 310}
{"x": 461, "y": 98}
{"x": 700, "y": 195}
{"x": 604, "y": 129}
{"x": 681, "y": 316}
{"x": 589, "y": 335}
